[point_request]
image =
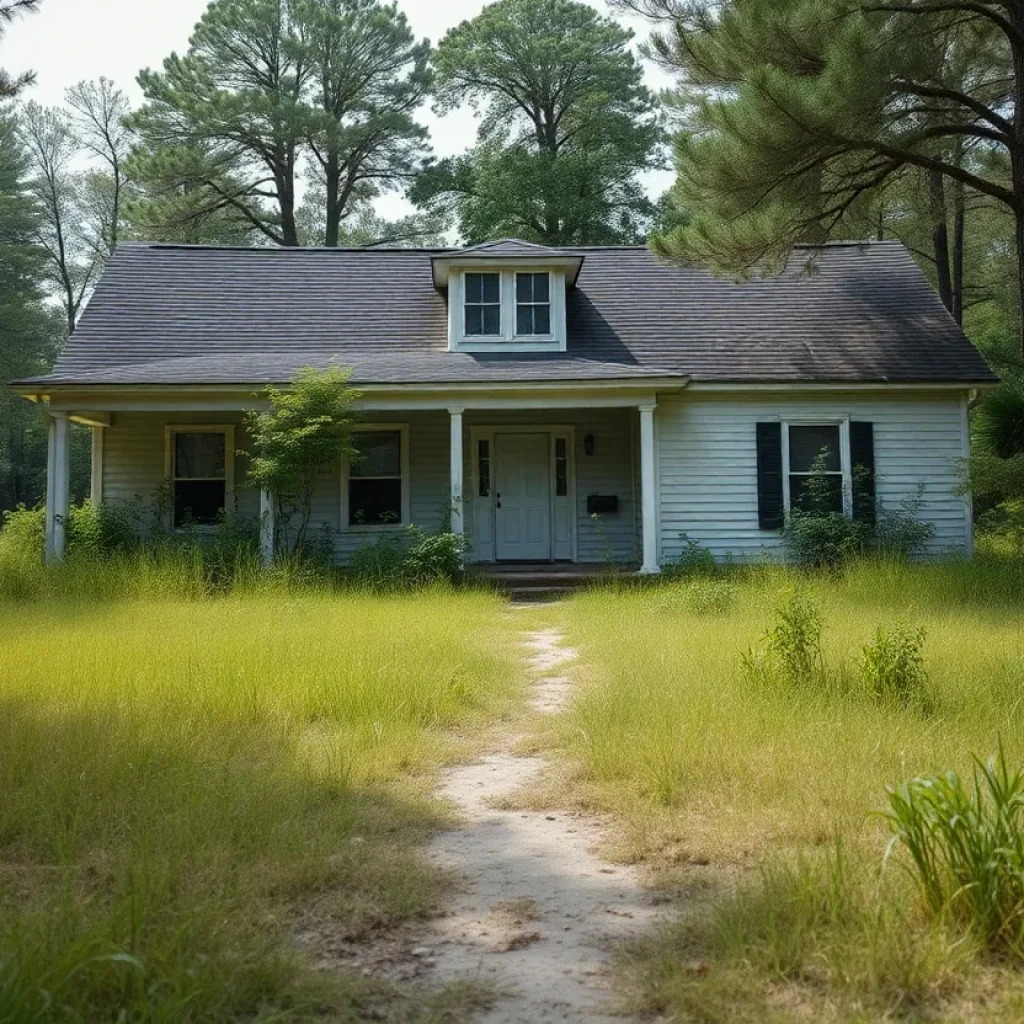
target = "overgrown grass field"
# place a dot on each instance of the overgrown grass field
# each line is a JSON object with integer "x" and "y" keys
{"x": 759, "y": 800}
{"x": 203, "y": 798}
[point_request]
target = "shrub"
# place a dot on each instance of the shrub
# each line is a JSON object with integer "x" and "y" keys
{"x": 408, "y": 559}
{"x": 892, "y": 664}
{"x": 790, "y": 650}
{"x": 901, "y": 532}
{"x": 966, "y": 845}
{"x": 693, "y": 560}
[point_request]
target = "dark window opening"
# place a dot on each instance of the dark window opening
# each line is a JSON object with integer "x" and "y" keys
{"x": 484, "y": 469}
{"x": 483, "y": 305}
{"x": 815, "y": 469}
{"x": 561, "y": 467}
{"x": 375, "y": 479}
{"x": 533, "y": 304}
{"x": 199, "y": 477}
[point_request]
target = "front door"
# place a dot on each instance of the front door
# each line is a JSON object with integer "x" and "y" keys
{"x": 523, "y": 497}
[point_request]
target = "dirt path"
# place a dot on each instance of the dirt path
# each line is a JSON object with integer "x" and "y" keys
{"x": 538, "y": 910}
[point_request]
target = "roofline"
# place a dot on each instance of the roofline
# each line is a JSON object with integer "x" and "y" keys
{"x": 40, "y": 389}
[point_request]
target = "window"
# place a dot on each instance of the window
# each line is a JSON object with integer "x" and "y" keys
{"x": 483, "y": 305}
{"x": 484, "y": 470}
{"x": 815, "y": 450}
{"x": 533, "y": 304}
{"x": 376, "y": 488}
{"x": 561, "y": 467}
{"x": 199, "y": 473}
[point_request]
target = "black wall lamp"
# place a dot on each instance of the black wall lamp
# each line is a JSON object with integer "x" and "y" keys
{"x": 588, "y": 444}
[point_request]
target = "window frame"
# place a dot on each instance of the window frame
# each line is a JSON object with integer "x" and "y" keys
{"x": 845, "y": 466}
{"x": 507, "y": 340}
{"x": 171, "y": 430}
{"x": 484, "y": 305}
{"x": 404, "y": 464}
{"x": 549, "y": 334}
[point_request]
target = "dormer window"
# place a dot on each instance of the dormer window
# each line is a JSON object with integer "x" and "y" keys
{"x": 483, "y": 305}
{"x": 533, "y": 304}
{"x": 507, "y": 296}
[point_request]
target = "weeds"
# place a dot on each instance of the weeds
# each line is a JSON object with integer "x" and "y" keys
{"x": 892, "y": 665}
{"x": 966, "y": 843}
{"x": 790, "y": 651}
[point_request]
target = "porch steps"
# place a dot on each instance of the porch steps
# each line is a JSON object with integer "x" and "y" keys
{"x": 542, "y": 582}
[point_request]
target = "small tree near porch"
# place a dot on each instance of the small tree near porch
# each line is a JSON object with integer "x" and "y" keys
{"x": 308, "y": 427}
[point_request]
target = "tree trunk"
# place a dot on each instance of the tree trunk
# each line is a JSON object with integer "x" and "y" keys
{"x": 959, "y": 226}
{"x": 332, "y": 174}
{"x": 940, "y": 236}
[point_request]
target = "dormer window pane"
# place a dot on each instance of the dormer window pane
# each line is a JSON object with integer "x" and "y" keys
{"x": 533, "y": 304}
{"x": 483, "y": 304}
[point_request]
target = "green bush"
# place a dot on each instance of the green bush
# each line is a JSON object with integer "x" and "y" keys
{"x": 790, "y": 651}
{"x": 693, "y": 560}
{"x": 966, "y": 846}
{"x": 892, "y": 664}
{"x": 409, "y": 558}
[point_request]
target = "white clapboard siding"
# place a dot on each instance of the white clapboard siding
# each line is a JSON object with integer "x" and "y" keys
{"x": 708, "y": 462}
{"x": 134, "y": 454}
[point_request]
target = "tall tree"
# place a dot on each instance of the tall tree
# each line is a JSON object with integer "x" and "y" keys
{"x": 800, "y": 108}
{"x": 567, "y": 126}
{"x": 29, "y": 333}
{"x": 99, "y": 114}
{"x": 9, "y": 10}
{"x": 266, "y": 84}
{"x": 62, "y": 231}
{"x": 369, "y": 76}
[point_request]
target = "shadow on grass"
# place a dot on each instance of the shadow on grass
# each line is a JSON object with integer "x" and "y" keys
{"x": 156, "y": 865}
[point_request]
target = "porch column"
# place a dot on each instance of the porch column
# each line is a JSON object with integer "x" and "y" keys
{"x": 58, "y": 487}
{"x": 457, "y": 526}
{"x": 267, "y": 527}
{"x": 648, "y": 493}
{"x": 96, "y": 483}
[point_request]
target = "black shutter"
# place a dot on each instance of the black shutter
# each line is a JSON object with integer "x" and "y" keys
{"x": 862, "y": 458}
{"x": 770, "y": 510}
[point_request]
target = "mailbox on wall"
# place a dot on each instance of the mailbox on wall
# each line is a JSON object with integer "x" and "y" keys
{"x": 602, "y": 505}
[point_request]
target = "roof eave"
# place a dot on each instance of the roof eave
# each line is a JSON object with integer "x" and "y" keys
{"x": 443, "y": 265}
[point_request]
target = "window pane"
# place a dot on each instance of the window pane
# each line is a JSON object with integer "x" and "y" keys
{"x": 561, "y": 468}
{"x": 199, "y": 455}
{"x": 540, "y": 288}
{"x": 484, "y": 469}
{"x": 492, "y": 287}
{"x": 198, "y": 501}
{"x": 806, "y": 444}
{"x": 380, "y": 453}
{"x": 524, "y": 320}
{"x": 492, "y": 320}
{"x": 474, "y": 320}
{"x": 474, "y": 288}
{"x": 374, "y": 502}
{"x": 826, "y": 495}
{"x": 541, "y": 319}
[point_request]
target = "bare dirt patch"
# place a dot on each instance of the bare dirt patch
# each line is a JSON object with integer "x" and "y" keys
{"x": 537, "y": 911}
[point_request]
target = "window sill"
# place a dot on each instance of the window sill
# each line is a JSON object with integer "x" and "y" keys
{"x": 509, "y": 345}
{"x": 374, "y": 528}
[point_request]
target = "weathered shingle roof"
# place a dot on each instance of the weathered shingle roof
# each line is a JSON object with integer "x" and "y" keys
{"x": 843, "y": 313}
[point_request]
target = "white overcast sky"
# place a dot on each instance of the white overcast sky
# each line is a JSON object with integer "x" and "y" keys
{"x": 71, "y": 40}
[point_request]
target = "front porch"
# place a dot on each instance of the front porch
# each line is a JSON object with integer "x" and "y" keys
{"x": 537, "y": 480}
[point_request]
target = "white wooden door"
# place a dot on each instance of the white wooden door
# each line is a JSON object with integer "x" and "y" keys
{"x": 523, "y": 497}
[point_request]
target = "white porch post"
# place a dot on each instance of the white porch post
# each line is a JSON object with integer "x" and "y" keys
{"x": 267, "y": 527}
{"x": 58, "y": 487}
{"x": 457, "y": 524}
{"x": 96, "y": 483}
{"x": 648, "y": 494}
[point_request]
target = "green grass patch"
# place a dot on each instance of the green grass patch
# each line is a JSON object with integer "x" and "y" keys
{"x": 737, "y": 780}
{"x": 202, "y": 798}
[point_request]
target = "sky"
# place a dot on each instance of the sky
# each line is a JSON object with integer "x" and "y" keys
{"x": 69, "y": 41}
